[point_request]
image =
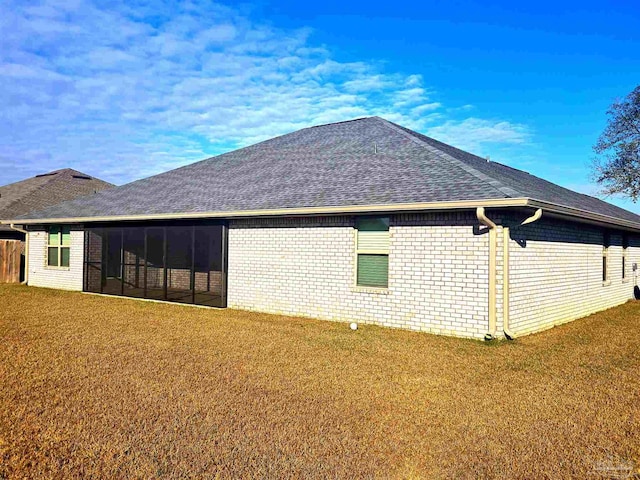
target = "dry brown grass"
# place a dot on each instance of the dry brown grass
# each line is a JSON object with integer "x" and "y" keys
{"x": 108, "y": 387}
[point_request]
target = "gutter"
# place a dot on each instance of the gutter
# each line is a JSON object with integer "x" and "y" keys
{"x": 551, "y": 209}
{"x": 493, "y": 245}
{"x": 283, "y": 212}
{"x": 597, "y": 218}
{"x": 505, "y": 275}
{"x": 26, "y": 252}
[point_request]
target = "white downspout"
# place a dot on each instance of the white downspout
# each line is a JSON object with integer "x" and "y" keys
{"x": 482, "y": 218}
{"x": 505, "y": 265}
{"x": 26, "y": 251}
{"x": 505, "y": 284}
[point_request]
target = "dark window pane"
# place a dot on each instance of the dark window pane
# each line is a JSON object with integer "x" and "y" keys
{"x": 133, "y": 265}
{"x": 113, "y": 267}
{"x": 114, "y": 252}
{"x": 379, "y": 224}
{"x": 179, "y": 263}
{"x": 155, "y": 247}
{"x": 93, "y": 280}
{"x": 94, "y": 245}
{"x": 373, "y": 270}
{"x": 93, "y": 259}
{"x": 52, "y": 257}
{"x": 64, "y": 256}
{"x": 208, "y": 265}
{"x": 155, "y": 263}
{"x": 133, "y": 245}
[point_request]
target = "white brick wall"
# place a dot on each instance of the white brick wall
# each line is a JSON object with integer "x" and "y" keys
{"x": 556, "y": 273}
{"x": 438, "y": 279}
{"x": 40, "y": 275}
{"x": 438, "y": 271}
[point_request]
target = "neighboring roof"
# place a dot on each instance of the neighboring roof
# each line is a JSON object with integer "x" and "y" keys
{"x": 45, "y": 190}
{"x": 364, "y": 162}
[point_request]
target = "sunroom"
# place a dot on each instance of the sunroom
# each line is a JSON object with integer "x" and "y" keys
{"x": 177, "y": 262}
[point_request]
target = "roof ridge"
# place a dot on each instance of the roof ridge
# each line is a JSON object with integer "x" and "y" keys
{"x": 253, "y": 145}
{"x": 508, "y": 191}
{"x": 358, "y": 119}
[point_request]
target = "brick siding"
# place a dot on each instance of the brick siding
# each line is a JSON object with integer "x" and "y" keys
{"x": 438, "y": 278}
{"x": 41, "y": 275}
{"x": 556, "y": 273}
{"x": 438, "y": 271}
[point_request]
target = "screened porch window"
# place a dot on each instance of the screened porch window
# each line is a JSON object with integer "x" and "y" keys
{"x": 58, "y": 246}
{"x": 181, "y": 262}
{"x": 372, "y": 251}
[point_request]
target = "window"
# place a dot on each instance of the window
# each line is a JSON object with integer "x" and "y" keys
{"x": 372, "y": 250}
{"x": 625, "y": 248}
{"x": 605, "y": 256}
{"x": 58, "y": 246}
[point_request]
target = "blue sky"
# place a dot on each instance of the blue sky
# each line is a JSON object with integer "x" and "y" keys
{"x": 123, "y": 90}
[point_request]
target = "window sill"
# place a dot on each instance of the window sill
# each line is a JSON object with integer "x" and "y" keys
{"x": 57, "y": 268}
{"x": 378, "y": 290}
{"x": 626, "y": 280}
{"x": 607, "y": 283}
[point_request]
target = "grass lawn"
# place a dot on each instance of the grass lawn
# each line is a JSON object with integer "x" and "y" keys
{"x": 108, "y": 387}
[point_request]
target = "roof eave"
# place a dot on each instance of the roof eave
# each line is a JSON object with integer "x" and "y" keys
{"x": 583, "y": 215}
{"x": 283, "y": 212}
{"x": 549, "y": 207}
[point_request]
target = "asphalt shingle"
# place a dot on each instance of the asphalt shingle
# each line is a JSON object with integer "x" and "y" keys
{"x": 45, "y": 190}
{"x": 367, "y": 161}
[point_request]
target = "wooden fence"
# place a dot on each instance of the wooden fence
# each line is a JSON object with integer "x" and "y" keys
{"x": 10, "y": 261}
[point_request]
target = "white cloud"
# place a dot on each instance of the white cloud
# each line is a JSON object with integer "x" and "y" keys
{"x": 473, "y": 133}
{"x": 140, "y": 88}
{"x": 426, "y": 107}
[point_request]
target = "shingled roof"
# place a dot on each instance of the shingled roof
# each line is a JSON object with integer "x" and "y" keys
{"x": 363, "y": 162}
{"x": 45, "y": 190}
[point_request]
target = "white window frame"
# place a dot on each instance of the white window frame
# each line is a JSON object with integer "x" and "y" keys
{"x": 368, "y": 288}
{"x": 59, "y": 247}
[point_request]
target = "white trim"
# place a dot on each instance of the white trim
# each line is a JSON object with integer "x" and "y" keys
{"x": 558, "y": 209}
{"x": 329, "y": 210}
{"x": 59, "y": 246}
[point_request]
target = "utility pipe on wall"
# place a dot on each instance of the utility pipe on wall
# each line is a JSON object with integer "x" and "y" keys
{"x": 26, "y": 251}
{"x": 482, "y": 218}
